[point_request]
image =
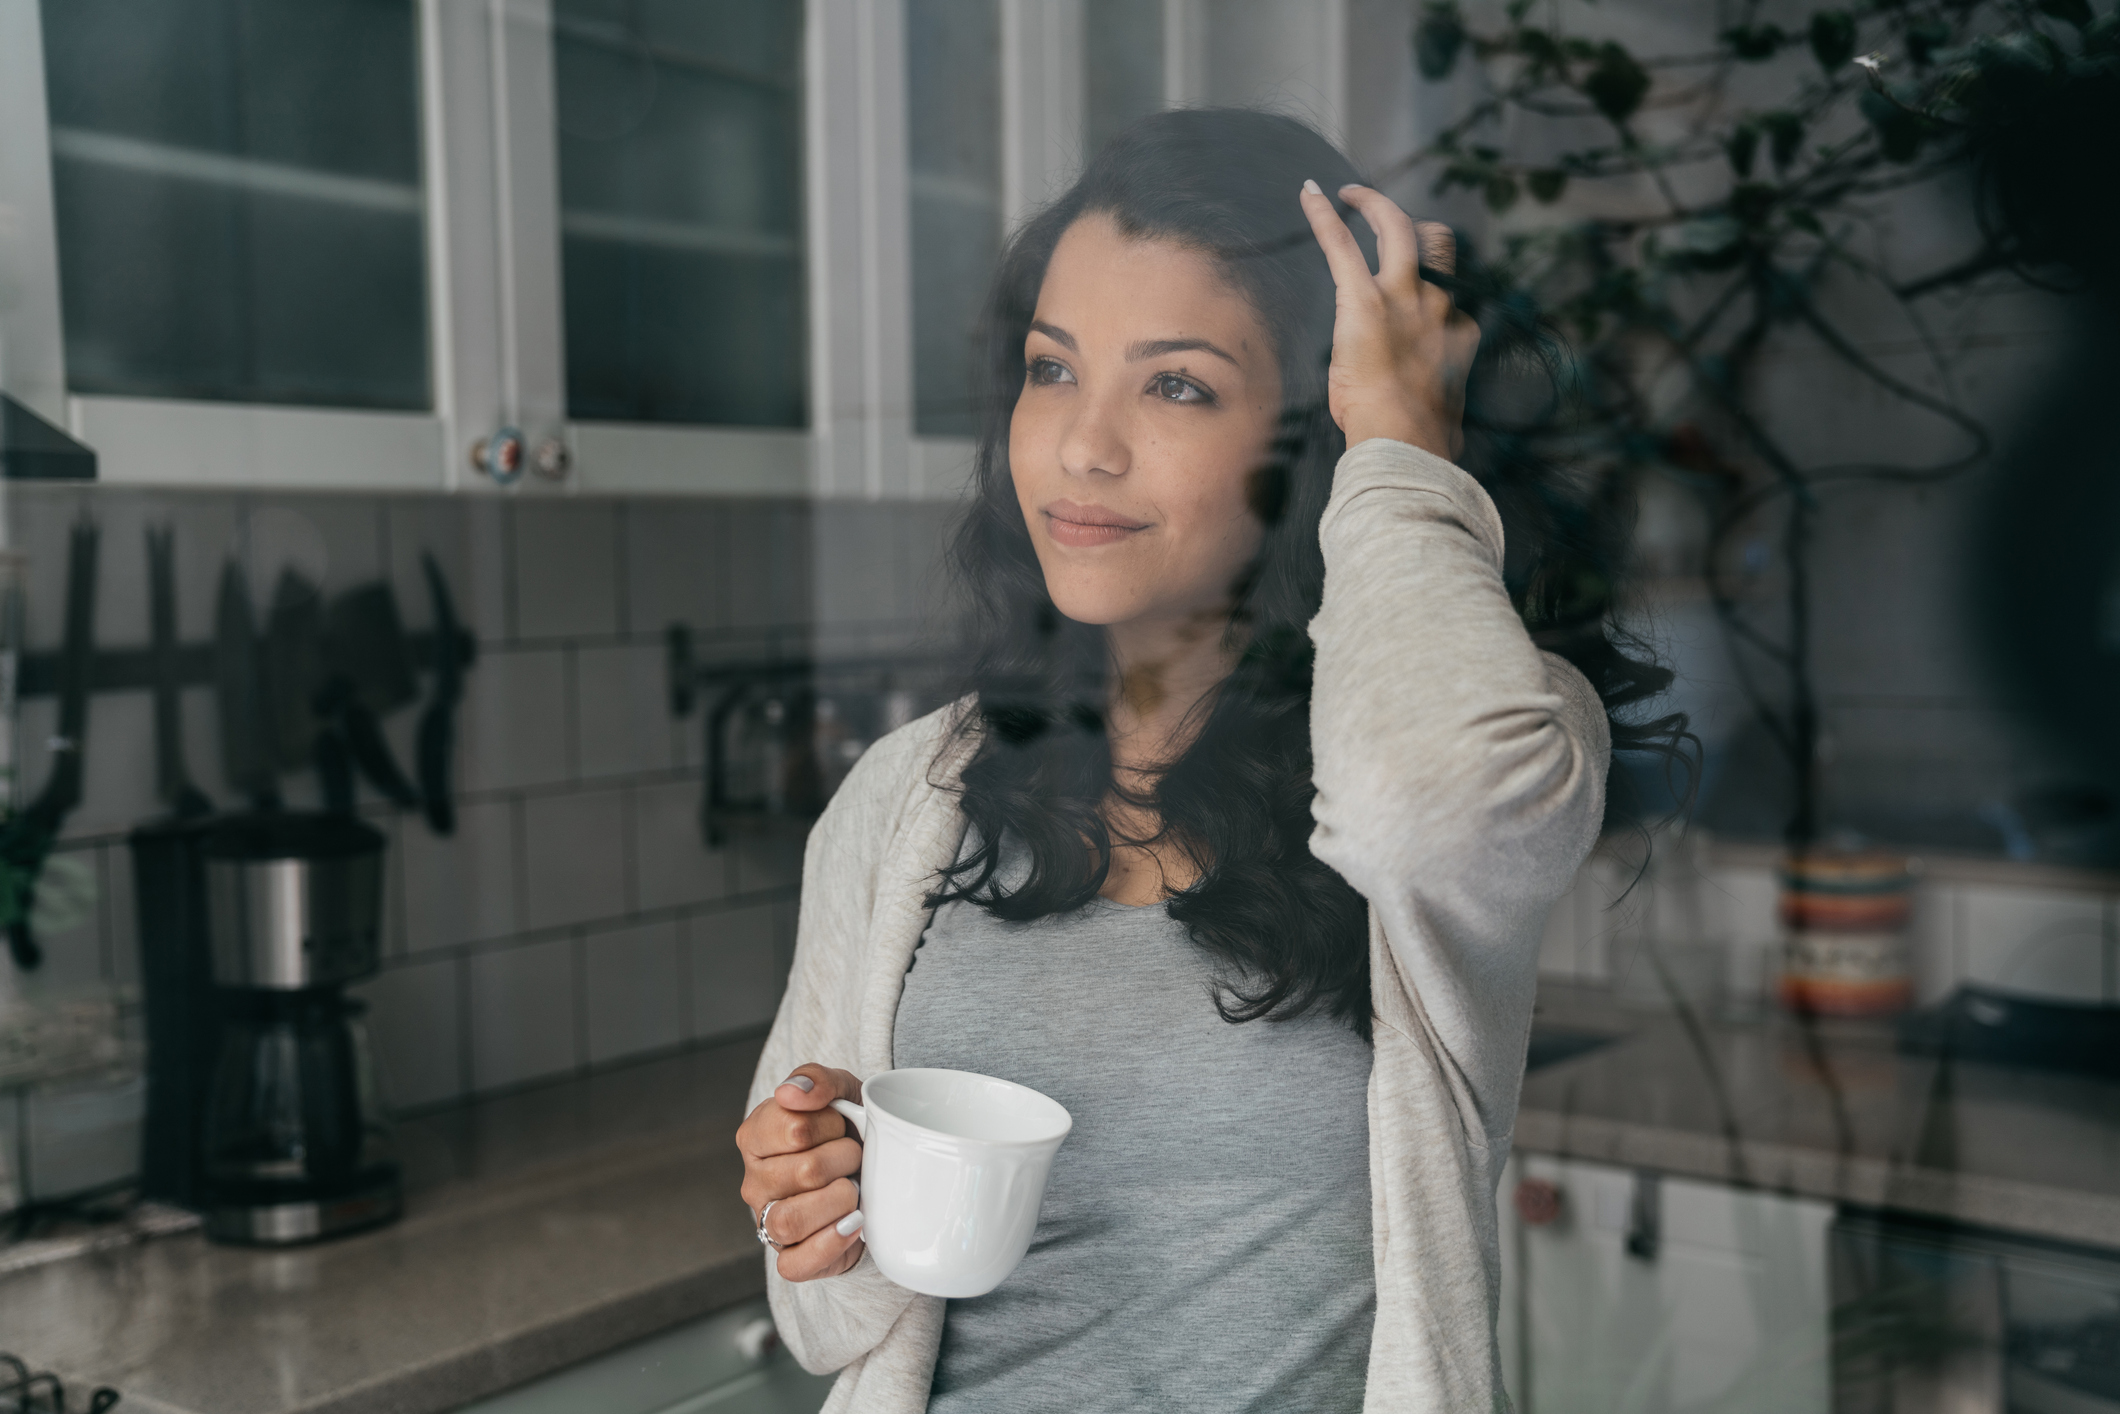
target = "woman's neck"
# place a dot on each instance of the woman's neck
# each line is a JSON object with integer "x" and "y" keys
{"x": 1161, "y": 671}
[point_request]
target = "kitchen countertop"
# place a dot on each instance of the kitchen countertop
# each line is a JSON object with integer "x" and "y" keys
{"x": 1830, "y": 1110}
{"x": 559, "y": 1223}
{"x": 541, "y": 1228}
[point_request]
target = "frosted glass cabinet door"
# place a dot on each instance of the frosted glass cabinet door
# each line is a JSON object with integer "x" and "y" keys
{"x": 953, "y": 149}
{"x": 680, "y": 169}
{"x": 238, "y": 199}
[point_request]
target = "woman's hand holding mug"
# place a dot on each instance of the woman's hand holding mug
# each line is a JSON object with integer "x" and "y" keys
{"x": 798, "y": 1162}
{"x": 1400, "y": 347}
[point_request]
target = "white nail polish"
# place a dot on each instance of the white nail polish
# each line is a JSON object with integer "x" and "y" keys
{"x": 1312, "y": 187}
{"x": 850, "y": 1224}
{"x": 801, "y": 1082}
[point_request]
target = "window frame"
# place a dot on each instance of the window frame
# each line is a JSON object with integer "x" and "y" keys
{"x": 495, "y": 335}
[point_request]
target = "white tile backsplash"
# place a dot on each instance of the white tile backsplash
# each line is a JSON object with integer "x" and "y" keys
{"x": 671, "y": 862}
{"x": 676, "y": 565}
{"x": 523, "y": 1017}
{"x": 415, "y": 1022}
{"x": 633, "y": 998}
{"x": 82, "y": 1136}
{"x": 566, "y": 569}
{"x": 574, "y": 862}
{"x": 460, "y": 888}
{"x": 736, "y": 981}
{"x": 622, "y": 715}
{"x": 511, "y": 729}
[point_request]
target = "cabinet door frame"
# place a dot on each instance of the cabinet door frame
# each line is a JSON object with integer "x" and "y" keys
{"x": 496, "y": 336}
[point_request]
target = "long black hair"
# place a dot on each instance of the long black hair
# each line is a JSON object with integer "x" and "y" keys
{"x": 1289, "y": 934}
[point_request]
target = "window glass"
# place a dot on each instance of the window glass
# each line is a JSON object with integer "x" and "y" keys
{"x": 1122, "y": 66}
{"x": 953, "y": 139}
{"x": 238, "y": 197}
{"x": 680, "y": 168}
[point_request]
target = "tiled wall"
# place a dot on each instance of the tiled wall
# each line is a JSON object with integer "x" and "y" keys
{"x": 576, "y": 918}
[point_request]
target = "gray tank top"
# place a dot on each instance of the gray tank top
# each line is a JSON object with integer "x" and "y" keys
{"x": 1205, "y": 1240}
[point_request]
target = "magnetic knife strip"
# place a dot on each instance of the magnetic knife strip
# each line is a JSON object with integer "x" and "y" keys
{"x": 133, "y": 669}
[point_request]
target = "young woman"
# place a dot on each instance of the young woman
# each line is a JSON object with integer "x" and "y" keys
{"x": 1243, "y": 842}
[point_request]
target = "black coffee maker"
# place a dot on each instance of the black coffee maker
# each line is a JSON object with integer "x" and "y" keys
{"x": 262, "y": 1112}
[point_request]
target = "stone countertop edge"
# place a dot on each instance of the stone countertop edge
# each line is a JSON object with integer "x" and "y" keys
{"x": 1860, "y": 1180}
{"x": 461, "y": 1377}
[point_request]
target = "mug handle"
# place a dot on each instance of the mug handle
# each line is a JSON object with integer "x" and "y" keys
{"x": 857, "y": 1115}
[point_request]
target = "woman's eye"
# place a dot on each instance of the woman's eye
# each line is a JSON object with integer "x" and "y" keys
{"x": 1171, "y": 388}
{"x": 1046, "y": 371}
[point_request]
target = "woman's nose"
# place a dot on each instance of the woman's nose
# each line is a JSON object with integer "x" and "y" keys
{"x": 1094, "y": 442}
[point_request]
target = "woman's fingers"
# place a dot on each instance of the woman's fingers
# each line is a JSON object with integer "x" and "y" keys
{"x": 771, "y": 1179}
{"x": 1350, "y": 268}
{"x": 800, "y": 1216}
{"x": 1399, "y": 250}
{"x": 825, "y": 1255}
{"x": 1438, "y": 245}
{"x": 812, "y": 1087}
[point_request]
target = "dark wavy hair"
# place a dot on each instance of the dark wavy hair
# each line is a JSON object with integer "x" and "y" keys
{"x": 1287, "y": 932}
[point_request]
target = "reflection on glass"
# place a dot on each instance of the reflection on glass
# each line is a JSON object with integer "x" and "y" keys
{"x": 680, "y": 173}
{"x": 239, "y": 201}
{"x": 953, "y": 141}
{"x": 1122, "y": 66}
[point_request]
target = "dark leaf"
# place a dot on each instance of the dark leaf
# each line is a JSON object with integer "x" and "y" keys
{"x": 1742, "y": 147}
{"x": 1833, "y": 38}
{"x": 1541, "y": 48}
{"x": 1805, "y": 219}
{"x": 1754, "y": 42}
{"x": 2075, "y": 12}
{"x": 1616, "y": 83}
{"x": 1925, "y": 37}
{"x": 1753, "y": 202}
{"x": 1547, "y": 184}
{"x": 1500, "y": 192}
{"x": 1899, "y": 132}
{"x": 1784, "y": 136}
{"x": 1437, "y": 39}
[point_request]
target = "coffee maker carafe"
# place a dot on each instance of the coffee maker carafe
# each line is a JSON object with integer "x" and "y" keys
{"x": 294, "y": 1146}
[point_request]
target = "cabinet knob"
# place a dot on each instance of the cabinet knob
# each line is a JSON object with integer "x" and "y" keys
{"x": 499, "y": 456}
{"x": 552, "y": 460}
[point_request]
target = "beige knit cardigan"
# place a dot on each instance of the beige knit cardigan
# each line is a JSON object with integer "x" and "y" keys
{"x": 1460, "y": 781}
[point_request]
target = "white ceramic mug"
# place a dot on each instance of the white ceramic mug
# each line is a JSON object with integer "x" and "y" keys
{"x": 953, "y": 1166}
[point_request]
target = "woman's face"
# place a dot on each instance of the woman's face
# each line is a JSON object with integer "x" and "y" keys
{"x": 1149, "y": 401}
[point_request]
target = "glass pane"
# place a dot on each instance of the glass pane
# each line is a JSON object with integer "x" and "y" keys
{"x": 953, "y": 140}
{"x": 680, "y": 162}
{"x": 1122, "y": 65}
{"x": 239, "y": 199}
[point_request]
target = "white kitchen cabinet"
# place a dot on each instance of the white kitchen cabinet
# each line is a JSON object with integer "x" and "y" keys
{"x": 1722, "y": 1306}
{"x": 678, "y": 248}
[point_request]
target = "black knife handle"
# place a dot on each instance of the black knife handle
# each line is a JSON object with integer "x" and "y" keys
{"x": 371, "y": 753}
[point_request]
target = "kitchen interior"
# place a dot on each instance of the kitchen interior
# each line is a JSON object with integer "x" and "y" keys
{"x": 482, "y": 466}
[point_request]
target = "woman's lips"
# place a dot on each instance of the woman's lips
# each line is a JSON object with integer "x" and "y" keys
{"x": 1072, "y": 524}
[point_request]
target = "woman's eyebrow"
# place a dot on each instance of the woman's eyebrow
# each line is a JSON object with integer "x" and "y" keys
{"x": 1057, "y": 334}
{"x": 1158, "y": 348}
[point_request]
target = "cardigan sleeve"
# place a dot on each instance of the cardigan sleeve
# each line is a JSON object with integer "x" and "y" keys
{"x": 1460, "y": 771}
{"x": 832, "y": 1321}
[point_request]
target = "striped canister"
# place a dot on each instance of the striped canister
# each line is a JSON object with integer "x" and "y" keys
{"x": 1844, "y": 916}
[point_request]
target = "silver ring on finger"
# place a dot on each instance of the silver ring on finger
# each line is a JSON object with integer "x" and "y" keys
{"x": 763, "y": 1235}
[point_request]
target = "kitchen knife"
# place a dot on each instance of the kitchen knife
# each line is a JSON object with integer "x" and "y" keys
{"x": 29, "y": 836}
{"x": 247, "y": 755}
{"x": 172, "y": 781}
{"x": 294, "y": 668}
{"x": 438, "y": 723}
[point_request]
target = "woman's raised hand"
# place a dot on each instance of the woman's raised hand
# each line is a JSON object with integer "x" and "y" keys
{"x": 1400, "y": 347}
{"x": 798, "y": 1160}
